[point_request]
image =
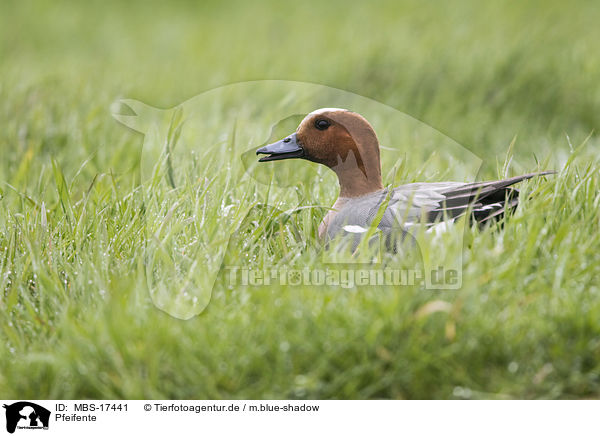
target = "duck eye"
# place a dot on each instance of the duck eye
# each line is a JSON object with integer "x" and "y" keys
{"x": 322, "y": 124}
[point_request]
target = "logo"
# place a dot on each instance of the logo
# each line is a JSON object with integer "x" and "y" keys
{"x": 26, "y": 415}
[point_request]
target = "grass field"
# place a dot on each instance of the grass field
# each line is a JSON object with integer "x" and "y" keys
{"x": 76, "y": 320}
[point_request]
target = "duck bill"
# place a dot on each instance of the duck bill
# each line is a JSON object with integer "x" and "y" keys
{"x": 287, "y": 148}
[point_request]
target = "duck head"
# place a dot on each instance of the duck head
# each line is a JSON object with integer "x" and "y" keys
{"x": 339, "y": 139}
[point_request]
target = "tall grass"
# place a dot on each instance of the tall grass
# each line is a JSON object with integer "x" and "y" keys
{"x": 76, "y": 222}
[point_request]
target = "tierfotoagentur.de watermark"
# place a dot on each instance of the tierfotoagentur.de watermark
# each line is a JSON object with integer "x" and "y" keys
{"x": 345, "y": 278}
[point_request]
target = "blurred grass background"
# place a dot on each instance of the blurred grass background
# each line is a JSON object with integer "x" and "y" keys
{"x": 526, "y": 321}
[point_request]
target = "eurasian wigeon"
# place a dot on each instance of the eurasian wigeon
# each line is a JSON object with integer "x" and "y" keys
{"x": 345, "y": 142}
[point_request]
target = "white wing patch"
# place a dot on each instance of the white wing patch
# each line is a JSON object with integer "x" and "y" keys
{"x": 355, "y": 229}
{"x": 441, "y": 227}
{"x": 490, "y": 206}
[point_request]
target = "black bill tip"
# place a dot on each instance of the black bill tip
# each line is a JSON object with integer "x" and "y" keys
{"x": 287, "y": 148}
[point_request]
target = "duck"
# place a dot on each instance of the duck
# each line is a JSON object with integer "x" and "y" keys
{"x": 346, "y": 142}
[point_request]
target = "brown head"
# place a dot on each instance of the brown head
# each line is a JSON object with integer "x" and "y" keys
{"x": 339, "y": 139}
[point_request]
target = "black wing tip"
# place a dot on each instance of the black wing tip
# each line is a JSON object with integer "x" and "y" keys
{"x": 476, "y": 199}
{"x": 522, "y": 177}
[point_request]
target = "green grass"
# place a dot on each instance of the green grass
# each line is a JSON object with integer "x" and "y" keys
{"x": 78, "y": 218}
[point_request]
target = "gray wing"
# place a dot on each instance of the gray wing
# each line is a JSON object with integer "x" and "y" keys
{"x": 429, "y": 203}
{"x": 484, "y": 200}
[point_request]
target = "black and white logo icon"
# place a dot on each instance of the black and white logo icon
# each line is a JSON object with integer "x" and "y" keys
{"x": 26, "y": 415}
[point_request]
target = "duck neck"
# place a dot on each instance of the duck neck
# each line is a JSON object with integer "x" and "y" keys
{"x": 359, "y": 171}
{"x": 355, "y": 183}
